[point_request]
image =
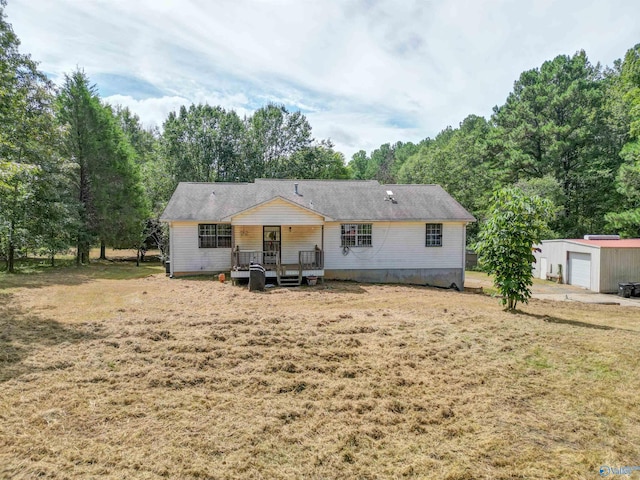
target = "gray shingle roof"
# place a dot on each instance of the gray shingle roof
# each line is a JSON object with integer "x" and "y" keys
{"x": 340, "y": 200}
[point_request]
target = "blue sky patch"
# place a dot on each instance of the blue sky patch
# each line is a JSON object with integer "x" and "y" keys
{"x": 112, "y": 84}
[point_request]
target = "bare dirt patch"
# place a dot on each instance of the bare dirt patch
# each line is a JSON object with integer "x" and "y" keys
{"x": 122, "y": 377}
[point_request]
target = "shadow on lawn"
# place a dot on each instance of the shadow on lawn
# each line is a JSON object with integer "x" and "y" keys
{"x": 339, "y": 286}
{"x": 564, "y": 321}
{"x": 352, "y": 286}
{"x": 327, "y": 286}
{"x": 22, "y": 333}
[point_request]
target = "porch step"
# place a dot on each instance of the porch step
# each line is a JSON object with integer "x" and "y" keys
{"x": 289, "y": 281}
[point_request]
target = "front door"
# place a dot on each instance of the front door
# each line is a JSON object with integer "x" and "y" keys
{"x": 271, "y": 244}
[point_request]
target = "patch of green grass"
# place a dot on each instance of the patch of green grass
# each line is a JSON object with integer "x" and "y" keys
{"x": 39, "y": 264}
{"x": 122, "y": 270}
{"x": 595, "y": 368}
{"x": 538, "y": 360}
{"x": 601, "y": 370}
{"x": 34, "y": 274}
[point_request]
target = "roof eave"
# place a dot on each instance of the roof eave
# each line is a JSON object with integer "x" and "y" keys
{"x": 428, "y": 220}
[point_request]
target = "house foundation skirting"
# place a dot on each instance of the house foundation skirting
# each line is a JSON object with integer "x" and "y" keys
{"x": 437, "y": 277}
{"x": 200, "y": 273}
{"x": 272, "y": 273}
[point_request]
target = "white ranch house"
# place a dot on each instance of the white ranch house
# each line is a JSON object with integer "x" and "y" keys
{"x": 334, "y": 229}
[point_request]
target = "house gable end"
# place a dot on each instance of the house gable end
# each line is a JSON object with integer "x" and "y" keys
{"x": 277, "y": 211}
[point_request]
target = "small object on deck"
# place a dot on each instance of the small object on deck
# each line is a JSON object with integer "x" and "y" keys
{"x": 257, "y": 277}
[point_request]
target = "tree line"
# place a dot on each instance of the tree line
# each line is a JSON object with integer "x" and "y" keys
{"x": 77, "y": 173}
{"x": 569, "y": 132}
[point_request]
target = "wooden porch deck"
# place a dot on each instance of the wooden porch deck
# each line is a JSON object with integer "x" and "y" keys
{"x": 310, "y": 264}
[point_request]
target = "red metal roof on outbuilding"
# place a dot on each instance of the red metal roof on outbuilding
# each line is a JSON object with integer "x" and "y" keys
{"x": 624, "y": 243}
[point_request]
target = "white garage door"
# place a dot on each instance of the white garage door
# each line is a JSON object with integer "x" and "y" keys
{"x": 580, "y": 269}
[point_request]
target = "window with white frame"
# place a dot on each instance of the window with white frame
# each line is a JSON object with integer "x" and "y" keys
{"x": 214, "y": 235}
{"x": 356, "y": 234}
{"x": 434, "y": 235}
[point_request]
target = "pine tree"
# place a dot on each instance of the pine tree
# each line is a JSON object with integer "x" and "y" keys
{"x": 112, "y": 203}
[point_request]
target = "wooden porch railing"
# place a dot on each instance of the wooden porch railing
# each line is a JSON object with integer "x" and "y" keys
{"x": 311, "y": 259}
{"x": 307, "y": 259}
{"x": 241, "y": 259}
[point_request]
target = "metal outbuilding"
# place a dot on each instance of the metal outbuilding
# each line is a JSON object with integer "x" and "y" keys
{"x": 596, "y": 262}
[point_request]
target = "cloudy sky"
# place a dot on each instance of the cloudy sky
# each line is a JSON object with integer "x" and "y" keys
{"x": 364, "y": 72}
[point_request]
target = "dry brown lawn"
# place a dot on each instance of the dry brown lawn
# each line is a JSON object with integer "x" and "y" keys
{"x": 105, "y": 375}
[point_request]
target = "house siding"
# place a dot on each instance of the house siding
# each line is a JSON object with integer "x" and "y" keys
{"x": 188, "y": 258}
{"x": 301, "y": 237}
{"x": 398, "y": 254}
{"x": 396, "y": 245}
{"x": 277, "y": 212}
{"x": 248, "y": 237}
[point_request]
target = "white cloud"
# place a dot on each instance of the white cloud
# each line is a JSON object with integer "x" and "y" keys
{"x": 152, "y": 111}
{"x": 355, "y": 68}
{"x": 353, "y": 131}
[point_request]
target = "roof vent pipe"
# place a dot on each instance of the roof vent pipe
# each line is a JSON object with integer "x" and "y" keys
{"x": 295, "y": 187}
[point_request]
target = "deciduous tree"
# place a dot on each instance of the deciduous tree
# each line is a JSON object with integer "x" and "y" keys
{"x": 273, "y": 135}
{"x": 514, "y": 224}
{"x": 29, "y": 161}
{"x": 318, "y": 161}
